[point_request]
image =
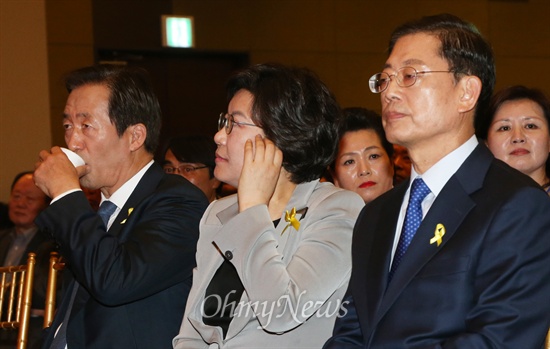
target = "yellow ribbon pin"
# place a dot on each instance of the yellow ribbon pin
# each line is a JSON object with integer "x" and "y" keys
{"x": 290, "y": 218}
{"x": 129, "y": 213}
{"x": 438, "y": 234}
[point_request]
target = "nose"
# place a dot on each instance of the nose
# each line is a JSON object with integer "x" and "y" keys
{"x": 74, "y": 141}
{"x": 220, "y": 137}
{"x": 364, "y": 168}
{"x": 518, "y": 136}
{"x": 390, "y": 92}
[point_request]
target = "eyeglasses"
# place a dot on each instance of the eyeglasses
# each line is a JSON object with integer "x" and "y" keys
{"x": 227, "y": 120}
{"x": 183, "y": 169}
{"x": 406, "y": 77}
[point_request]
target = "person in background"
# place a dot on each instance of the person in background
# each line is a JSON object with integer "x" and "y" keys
{"x": 516, "y": 130}
{"x": 363, "y": 162}
{"x": 459, "y": 256}
{"x": 25, "y": 203}
{"x": 192, "y": 157}
{"x": 273, "y": 261}
{"x": 132, "y": 260}
{"x": 402, "y": 164}
{"x": 93, "y": 196}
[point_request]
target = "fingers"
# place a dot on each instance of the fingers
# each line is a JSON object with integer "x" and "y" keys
{"x": 264, "y": 150}
{"x": 248, "y": 152}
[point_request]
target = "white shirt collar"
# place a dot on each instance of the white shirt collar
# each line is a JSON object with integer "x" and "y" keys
{"x": 439, "y": 174}
{"x": 122, "y": 194}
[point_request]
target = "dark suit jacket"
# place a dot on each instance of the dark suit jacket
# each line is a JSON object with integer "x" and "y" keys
{"x": 487, "y": 284}
{"x": 135, "y": 278}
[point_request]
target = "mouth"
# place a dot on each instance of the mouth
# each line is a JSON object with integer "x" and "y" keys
{"x": 367, "y": 184}
{"x": 392, "y": 115}
{"x": 519, "y": 151}
{"x": 219, "y": 158}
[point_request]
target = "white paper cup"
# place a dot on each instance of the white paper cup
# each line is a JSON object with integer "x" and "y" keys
{"x": 75, "y": 159}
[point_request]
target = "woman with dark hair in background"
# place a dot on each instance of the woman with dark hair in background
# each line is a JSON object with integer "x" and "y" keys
{"x": 273, "y": 261}
{"x": 364, "y": 160}
{"x": 516, "y": 130}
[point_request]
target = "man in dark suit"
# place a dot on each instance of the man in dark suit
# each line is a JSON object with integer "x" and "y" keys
{"x": 465, "y": 262}
{"x": 132, "y": 263}
{"x": 25, "y": 203}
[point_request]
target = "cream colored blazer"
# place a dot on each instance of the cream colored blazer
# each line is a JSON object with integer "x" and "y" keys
{"x": 294, "y": 279}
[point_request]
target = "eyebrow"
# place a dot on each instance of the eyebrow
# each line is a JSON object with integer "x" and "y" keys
{"x": 522, "y": 118}
{"x": 408, "y": 62}
{"x": 79, "y": 115}
{"x": 243, "y": 115}
{"x": 372, "y": 147}
{"x": 238, "y": 113}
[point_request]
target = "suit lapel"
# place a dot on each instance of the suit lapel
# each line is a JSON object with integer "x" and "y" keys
{"x": 376, "y": 263}
{"x": 144, "y": 188}
{"x": 446, "y": 211}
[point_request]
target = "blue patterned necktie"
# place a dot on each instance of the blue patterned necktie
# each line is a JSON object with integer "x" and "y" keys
{"x": 413, "y": 217}
{"x": 105, "y": 211}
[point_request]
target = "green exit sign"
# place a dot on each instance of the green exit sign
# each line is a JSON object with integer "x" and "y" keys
{"x": 177, "y": 31}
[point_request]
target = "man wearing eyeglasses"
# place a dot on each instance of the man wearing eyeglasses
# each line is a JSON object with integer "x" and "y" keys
{"x": 459, "y": 257}
{"x": 193, "y": 157}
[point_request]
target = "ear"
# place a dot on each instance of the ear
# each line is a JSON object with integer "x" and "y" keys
{"x": 138, "y": 134}
{"x": 469, "y": 89}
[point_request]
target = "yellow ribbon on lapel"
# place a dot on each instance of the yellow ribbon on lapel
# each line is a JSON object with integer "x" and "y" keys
{"x": 129, "y": 213}
{"x": 290, "y": 218}
{"x": 438, "y": 234}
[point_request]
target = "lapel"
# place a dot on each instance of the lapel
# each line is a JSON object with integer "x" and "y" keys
{"x": 376, "y": 263}
{"x": 145, "y": 187}
{"x": 287, "y": 241}
{"x": 450, "y": 208}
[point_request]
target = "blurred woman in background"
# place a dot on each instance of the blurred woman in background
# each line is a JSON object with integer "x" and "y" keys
{"x": 363, "y": 163}
{"x": 516, "y": 130}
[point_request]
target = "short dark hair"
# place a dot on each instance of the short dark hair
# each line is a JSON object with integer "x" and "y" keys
{"x": 462, "y": 46}
{"x": 296, "y": 111}
{"x": 194, "y": 149}
{"x": 357, "y": 119}
{"x": 131, "y": 101}
{"x": 511, "y": 93}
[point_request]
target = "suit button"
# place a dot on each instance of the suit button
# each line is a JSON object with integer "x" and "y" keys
{"x": 229, "y": 255}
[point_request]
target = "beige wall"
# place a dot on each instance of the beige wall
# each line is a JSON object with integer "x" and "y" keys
{"x": 24, "y": 103}
{"x": 342, "y": 40}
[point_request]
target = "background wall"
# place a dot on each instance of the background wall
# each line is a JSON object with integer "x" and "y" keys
{"x": 24, "y": 103}
{"x": 344, "y": 41}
